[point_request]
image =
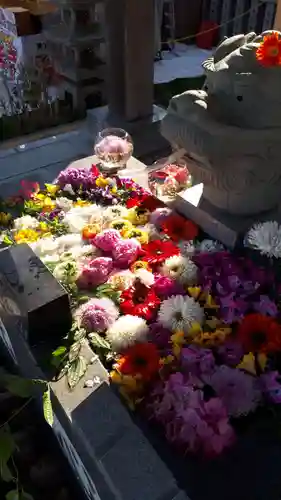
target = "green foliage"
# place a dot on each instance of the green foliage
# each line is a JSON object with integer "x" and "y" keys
{"x": 109, "y": 292}
{"x": 98, "y": 342}
{"x": 76, "y": 371}
{"x": 47, "y": 407}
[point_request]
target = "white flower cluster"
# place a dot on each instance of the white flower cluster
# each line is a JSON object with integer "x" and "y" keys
{"x": 266, "y": 238}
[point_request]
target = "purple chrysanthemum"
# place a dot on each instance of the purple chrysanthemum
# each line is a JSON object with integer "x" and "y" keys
{"x": 97, "y": 315}
{"x": 77, "y": 178}
{"x": 159, "y": 335}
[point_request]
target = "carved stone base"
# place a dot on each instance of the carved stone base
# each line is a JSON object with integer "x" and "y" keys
{"x": 220, "y": 225}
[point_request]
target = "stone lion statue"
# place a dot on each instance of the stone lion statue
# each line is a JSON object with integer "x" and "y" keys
{"x": 231, "y": 130}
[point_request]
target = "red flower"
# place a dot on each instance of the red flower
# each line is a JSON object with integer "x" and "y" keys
{"x": 28, "y": 189}
{"x": 178, "y": 228}
{"x": 140, "y": 359}
{"x": 259, "y": 333}
{"x": 146, "y": 201}
{"x": 157, "y": 251}
{"x": 139, "y": 300}
{"x": 269, "y": 51}
{"x": 94, "y": 171}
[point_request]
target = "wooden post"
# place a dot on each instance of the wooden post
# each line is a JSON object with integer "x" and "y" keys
{"x": 277, "y": 22}
{"x": 130, "y": 41}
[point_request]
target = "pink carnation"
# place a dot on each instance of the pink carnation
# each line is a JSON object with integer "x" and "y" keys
{"x": 107, "y": 239}
{"x": 97, "y": 315}
{"x": 95, "y": 272}
{"x": 126, "y": 252}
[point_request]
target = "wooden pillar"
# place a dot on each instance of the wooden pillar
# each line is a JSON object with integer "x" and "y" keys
{"x": 277, "y": 22}
{"x": 130, "y": 45}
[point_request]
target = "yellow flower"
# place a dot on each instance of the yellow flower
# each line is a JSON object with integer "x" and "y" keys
{"x": 139, "y": 234}
{"x": 194, "y": 291}
{"x": 212, "y": 339}
{"x": 139, "y": 264}
{"x": 52, "y": 189}
{"x": 81, "y": 203}
{"x": 121, "y": 225}
{"x": 138, "y": 216}
{"x": 248, "y": 363}
{"x": 194, "y": 330}
{"x": 26, "y": 236}
{"x": 167, "y": 360}
{"x": 5, "y": 218}
{"x": 113, "y": 190}
{"x": 101, "y": 182}
{"x": 178, "y": 340}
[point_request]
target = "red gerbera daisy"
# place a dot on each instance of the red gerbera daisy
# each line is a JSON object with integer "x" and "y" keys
{"x": 140, "y": 359}
{"x": 259, "y": 333}
{"x": 139, "y": 300}
{"x": 146, "y": 201}
{"x": 178, "y": 228}
{"x": 157, "y": 251}
{"x": 269, "y": 51}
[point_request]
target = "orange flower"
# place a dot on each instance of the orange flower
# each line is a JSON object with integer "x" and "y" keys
{"x": 269, "y": 51}
{"x": 178, "y": 228}
{"x": 140, "y": 360}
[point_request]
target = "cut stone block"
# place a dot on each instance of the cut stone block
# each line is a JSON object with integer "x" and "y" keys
{"x": 29, "y": 291}
{"x": 229, "y": 229}
{"x": 146, "y": 475}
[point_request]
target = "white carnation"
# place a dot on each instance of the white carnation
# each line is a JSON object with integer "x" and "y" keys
{"x": 44, "y": 246}
{"x": 209, "y": 246}
{"x": 112, "y": 213}
{"x": 127, "y": 331}
{"x": 178, "y": 313}
{"x": 181, "y": 269}
{"x": 67, "y": 241}
{"x": 25, "y": 222}
{"x": 266, "y": 238}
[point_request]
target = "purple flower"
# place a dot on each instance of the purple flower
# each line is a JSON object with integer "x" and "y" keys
{"x": 97, "y": 315}
{"x": 159, "y": 335}
{"x": 230, "y": 353}
{"x": 238, "y": 391}
{"x": 76, "y": 178}
{"x": 232, "y": 308}
{"x": 165, "y": 287}
{"x": 197, "y": 361}
{"x": 265, "y": 306}
{"x": 271, "y": 386}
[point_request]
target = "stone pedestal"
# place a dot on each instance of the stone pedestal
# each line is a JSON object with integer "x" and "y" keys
{"x": 229, "y": 229}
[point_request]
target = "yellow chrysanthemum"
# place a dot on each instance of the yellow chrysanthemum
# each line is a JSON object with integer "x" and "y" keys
{"x": 101, "y": 182}
{"x": 139, "y": 234}
{"x": 212, "y": 339}
{"x": 81, "y": 203}
{"x": 140, "y": 264}
{"x": 5, "y": 219}
{"x": 26, "y": 236}
{"x": 138, "y": 216}
{"x": 121, "y": 225}
{"x": 178, "y": 340}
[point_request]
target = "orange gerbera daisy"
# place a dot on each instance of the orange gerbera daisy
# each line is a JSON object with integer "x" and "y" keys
{"x": 269, "y": 51}
{"x": 140, "y": 360}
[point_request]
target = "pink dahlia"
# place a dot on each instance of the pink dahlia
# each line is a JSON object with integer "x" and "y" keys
{"x": 107, "y": 239}
{"x": 95, "y": 272}
{"x": 97, "y": 315}
{"x": 126, "y": 252}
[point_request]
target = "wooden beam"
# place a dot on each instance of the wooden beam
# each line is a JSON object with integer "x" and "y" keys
{"x": 277, "y": 22}
{"x": 25, "y": 23}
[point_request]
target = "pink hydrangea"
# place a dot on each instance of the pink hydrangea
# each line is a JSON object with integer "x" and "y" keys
{"x": 95, "y": 272}
{"x": 107, "y": 239}
{"x": 126, "y": 252}
{"x": 97, "y": 315}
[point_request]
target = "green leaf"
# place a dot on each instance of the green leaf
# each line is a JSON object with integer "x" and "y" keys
{"x": 12, "y": 495}
{"x": 82, "y": 299}
{"x": 7, "y": 240}
{"x": 76, "y": 371}
{"x": 17, "y": 386}
{"x": 47, "y": 407}
{"x": 59, "y": 351}
{"x": 98, "y": 341}
{"x": 5, "y": 473}
{"x": 26, "y": 496}
{"x": 7, "y": 445}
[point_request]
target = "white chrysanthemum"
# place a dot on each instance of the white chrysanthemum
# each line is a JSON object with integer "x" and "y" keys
{"x": 74, "y": 223}
{"x": 50, "y": 260}
{"x": 112, "y": 213}
{"x": 209, "y": 246}
{"x": 187, "y": 248}
{"x": 78, "y": 252}
{"x": 25, "y": 222}
{"x": 67, "y": 241}
{"x": 265, "y": 237}
{"x": 44, "y": 246}
{"x": 66, "y": 272}
{"x": 179, "y": 313}
{"x": 64, "y": 203}
{"x": 181, "y": 269}
{"x": 127, "y": 331}
{"x": 145, "y": 277}
{"x": 78, "y": 217}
